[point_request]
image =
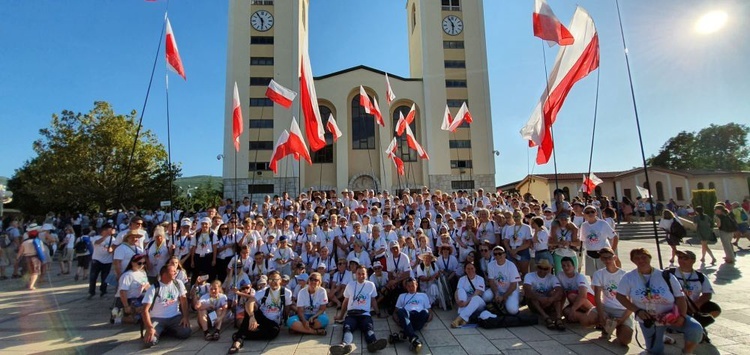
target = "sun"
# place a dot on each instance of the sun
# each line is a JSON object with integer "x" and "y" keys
{"x": 711, "y": 22}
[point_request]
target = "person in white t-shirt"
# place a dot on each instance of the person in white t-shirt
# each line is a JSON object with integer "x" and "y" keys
{"x": 613, "y": 316}
{"x": 697, "y": 288}
{"x": 170, "y": 309}
{"x": 543, "y": 292}
{"x": 657, "y": 305}
{"x": 101, "y": 260}
{"x": 504, "y": 279}
{"x": 595, "y": 234}
{"x": 412, "y": 313}
{"x": 359, "y": 298}
{"x": 125, "y": 251}
{"x": 471, "y": 295}
{"x": 311, "y": 315}
{"x": 578, "y": 294}
{"x": 212, "y": 310}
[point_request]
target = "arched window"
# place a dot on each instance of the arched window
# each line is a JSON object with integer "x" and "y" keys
{"x": 403, "y": 151}
{"x": 711, "y": 185}
{"x": 566, "y": 191}
{"x": 701, "y": 186}
{"x": 363, "y": 127}
{"x": 324, "y": 155}
{"x": 598, "y": 191}
{"x": 659, "y": 191}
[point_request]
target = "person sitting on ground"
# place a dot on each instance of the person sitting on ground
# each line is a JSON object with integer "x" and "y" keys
{"x": 412, "y": 313}
{"x": 504, "y": 278}
{"x": 165, "y": 308}
{"x": 311, "y": 315}
{"x": 613, "y": 316}
{"x": 339, "y": 280}
{"x": 543, "y": 293}
{"x": 132, "y": 286}
{"x": 212, "y": 310}
{"x": 380, "y": 279}
{"x": 359, "y": 298}
{"x": 264, "y": 313}
{"x": 698, "y": 290}
{"x": 578, "y": 294}
{"x": 471, "y": 295}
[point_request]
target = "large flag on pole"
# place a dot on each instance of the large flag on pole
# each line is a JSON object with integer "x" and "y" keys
{"x": 333, "y": 128}
{"x": 279, "y": 94}
{"x": 371, "y": 107}
{"x": 447, "y": 120}
{"x": 279, "y": 151}
{"x": 573, "y": 63}
{"x": 309, "y": 103}
{"x": 390, "y": 152}
{"x": 413, "y": 144}
{"x": 237, "y": 122}
{"x": 296, "y": 144}
{"x": 590, "y": 183}
{"x": 389, "y": 94}
{"x": 462, "y": 116}
{"x": 405, "y": 121}
{"x": 548, "y": 27}
{"x": 173, "y": 55}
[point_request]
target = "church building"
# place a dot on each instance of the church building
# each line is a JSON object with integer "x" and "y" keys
{"x": 448, "y": 66}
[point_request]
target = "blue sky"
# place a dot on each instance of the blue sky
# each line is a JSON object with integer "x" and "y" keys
{"x": 66, "y": 55}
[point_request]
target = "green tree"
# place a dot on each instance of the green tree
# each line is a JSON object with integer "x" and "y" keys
{"x": 82, "y": 160}
{"x": 712, "y": 148}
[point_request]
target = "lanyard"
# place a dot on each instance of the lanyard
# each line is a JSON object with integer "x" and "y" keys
{"x": 397, "y": 261}
{"x": 647, "y": 283}
{"x": 312, "y": 305}
{"x": 356, "y": 294}
{"x": 445, "y": 263}
{"x": 341, "y": 277}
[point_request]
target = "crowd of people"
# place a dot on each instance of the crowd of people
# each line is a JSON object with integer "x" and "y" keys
{"x": 283, "y": 262}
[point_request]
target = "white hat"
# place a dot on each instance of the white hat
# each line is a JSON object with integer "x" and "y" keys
{"x": 427, "y": 252}
{"x": 387, "y": 222}
{"x": 206, "y": 220}
{"x": 377, "y": 264}
{"x": 185, "y": 222}
{"x": 353, "y": 258}
{"x": 48, "y": 227}
{"x": 322, "y": 265}
{"x": 33, "y": 227}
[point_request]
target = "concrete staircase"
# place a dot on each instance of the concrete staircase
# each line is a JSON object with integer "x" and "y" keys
{"x": 637, "y": 230}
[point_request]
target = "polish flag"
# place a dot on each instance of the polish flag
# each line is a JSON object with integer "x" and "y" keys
{"x": 279, "y": 151}
{"x": 413, "y": 144}
{"x": 548, "y": 27}
{"x": 173, "y": 55}
{"x": 389, "y": 95}
{"x": 403, "y": 122}
{"x": 237, "y": 122}
{"x": 390, "y": 151}
{"x": 309, "y": 103}
{"x": 280, "y": 94}
{"x": 590, "y": 183}
{"x": 371, "y": 107}
{"x": 296, "y": 144}
{"x": 333, "y": 127}
{"x": 447, "y": 119}
{"x": 573, "y": 63}
{"x": 399, "y": 165}
{"x": 462, "y": 115}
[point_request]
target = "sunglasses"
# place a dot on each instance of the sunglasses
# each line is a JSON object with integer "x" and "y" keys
{"x": 223, "y": 229}
{"x": 484, "y": 250}
{"x": 141, "y": 263}
{"x": 274, "y": 280}
{"x": 543, "y": 268}
{"x": 498, "y": 254}
{"x": 311, "y": 280}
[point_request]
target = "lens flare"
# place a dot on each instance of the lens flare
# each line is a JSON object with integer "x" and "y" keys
{"x": 711, "y": 22}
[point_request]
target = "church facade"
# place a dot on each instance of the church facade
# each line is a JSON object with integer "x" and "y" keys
{"x": 448, "y": 66}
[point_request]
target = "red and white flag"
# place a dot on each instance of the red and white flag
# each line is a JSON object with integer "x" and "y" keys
{"x": 463, "y": 115}
{"x": 237, "y": 122}
{"x": 389, "y": 94}
{"x": 371, "y": 107}
{"x": 548, "y": 27}
{"x": 296, "y": 144}
{"x": 173, "y": 55}
{"x": 279, "y": 94}
{"x": 403, "y": 122}
{"x": 279, "y": 151}
{"x": 590, "y": 183}
{"x": 447, "y": 119}
{"x": 413, "y": 144}
{"x": 573, "y": 63}
{"x": 333, "y": 127}
{"x": 390, "y": 151}
{"x": 309, "y": 103}
{"x": 399, "y": 165}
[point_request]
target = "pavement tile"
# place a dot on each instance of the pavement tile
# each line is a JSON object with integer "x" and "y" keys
{"x": 528, "y": 351}
{"x": 567, "y": 338}
{"x": 477, "y": 344}
{"x": 509, "y": 344}
{"x": 442, "y": 350}
{"x": 529, "y": 334}
{"x": 438, "y": 338}
{"x": 498, "y": 333}
{"x": 588, "y": 349}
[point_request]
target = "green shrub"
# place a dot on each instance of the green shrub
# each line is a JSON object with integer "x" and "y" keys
{"x": 705, "y": 198}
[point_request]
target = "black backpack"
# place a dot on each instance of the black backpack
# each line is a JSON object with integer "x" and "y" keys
{"x": 80, "y": 246}
{"x": 282, "y": 291}
{"x": 677, "y": 230}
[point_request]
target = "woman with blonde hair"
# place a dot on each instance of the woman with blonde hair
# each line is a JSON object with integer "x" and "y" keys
{"x": 212, "y": 310}
{"x": 311, "y": 315}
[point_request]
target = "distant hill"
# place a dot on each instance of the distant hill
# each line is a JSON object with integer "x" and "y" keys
{"x": 199, "y": 180}
{"x": 3, "y": 180}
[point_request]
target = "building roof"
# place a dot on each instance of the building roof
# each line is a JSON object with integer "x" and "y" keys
{"x": 364, "y": 67}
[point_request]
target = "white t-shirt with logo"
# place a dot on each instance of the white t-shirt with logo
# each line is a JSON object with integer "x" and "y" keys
{"x": 339, "y": 278}
{"x": 597, "y": 235}
{"x": 101, "y": 251}
{"x": 609, "y": 283}
{"x": 132, "y": 283}
{"x": 692, "y": 286}
{"x": 517, "y": 234}
{"x": 465, "y": 285}
{"x": 542, "y": 286}
{"x": 650, "y": 292}
{"x": 167, "y": 302}
{"x": 311, "y": 303}
{"x": 272, "y": 307}
{"x": 418, "y": 301}
{"x": 504, "y": 275}
{"x": 207, "y": 302}
{"x": 360, "y": 296}
{"x": 570, "y": 284}
{"x": 400, "y": 263}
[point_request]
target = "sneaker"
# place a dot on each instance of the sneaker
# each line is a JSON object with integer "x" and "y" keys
{"x": 376, "y": 345}
{"x": 416, "y": 346}
{"x": 90, "y": 297}
{"x": 394, "y": 338}
{"x": 152, "y": 343}
{"x": 341, "y": 349}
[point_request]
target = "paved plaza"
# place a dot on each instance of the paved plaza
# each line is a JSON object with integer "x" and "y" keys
{"x": 57, "y": 318}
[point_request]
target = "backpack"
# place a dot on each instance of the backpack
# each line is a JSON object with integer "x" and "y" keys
{"x": 5, "y": 241}
{"x": 80, "y": 246}
{"x": 677, "y": 230}
{"x": 282, "y": 291}
{"x": 156, "y": 286}
{"x": 701, "y": 276}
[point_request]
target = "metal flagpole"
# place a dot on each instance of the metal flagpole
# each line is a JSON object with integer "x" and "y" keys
{"x": 255, "y": 171}
{"x": 593, "y": 130}
{"x": 551, "y": 132}
{"x": 640, "y": 137}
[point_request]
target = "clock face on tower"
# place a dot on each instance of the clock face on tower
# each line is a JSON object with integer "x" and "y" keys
{"x": 452, "y": 25}
{"x": 262, "y": 20}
